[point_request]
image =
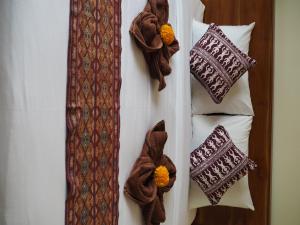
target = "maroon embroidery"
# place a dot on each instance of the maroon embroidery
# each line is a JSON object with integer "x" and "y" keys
{"x": 217, "y": 164}
{"x": 217, "y": 63}
{"x": 92, "y": 115}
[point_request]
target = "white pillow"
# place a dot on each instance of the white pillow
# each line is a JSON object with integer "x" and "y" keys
{"x": 238, "y": 128}
{"x": 238, "y": 99}
{"x": 198, "y": 8}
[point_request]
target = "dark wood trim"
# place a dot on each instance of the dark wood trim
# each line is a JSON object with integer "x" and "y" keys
{"x": 235, "y": 12}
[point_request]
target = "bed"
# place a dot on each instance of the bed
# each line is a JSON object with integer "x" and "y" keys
{"x": 33, "y": 68}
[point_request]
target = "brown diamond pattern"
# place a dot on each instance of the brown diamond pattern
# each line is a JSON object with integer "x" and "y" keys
{"x": 93, "y": 113}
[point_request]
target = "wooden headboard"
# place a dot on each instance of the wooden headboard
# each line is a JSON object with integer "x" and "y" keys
{"x": 235, "y": 12}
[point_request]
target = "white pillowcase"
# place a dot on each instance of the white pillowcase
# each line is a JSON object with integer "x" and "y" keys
{"x": 238, "y": 128}
{"x": 198, "y": 8}
{"x": 238, "y": 99}
{"x": 198, "y": 13}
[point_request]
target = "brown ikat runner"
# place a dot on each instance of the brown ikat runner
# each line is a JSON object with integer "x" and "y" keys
{"x": 92, "y": 115}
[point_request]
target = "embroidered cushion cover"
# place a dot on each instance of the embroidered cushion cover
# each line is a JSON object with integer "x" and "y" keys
{"x": 238, "y": 99}
{"x": 217, "y": 164}
{"x": 239, "y": 128}
{"x": 217, "y": 63}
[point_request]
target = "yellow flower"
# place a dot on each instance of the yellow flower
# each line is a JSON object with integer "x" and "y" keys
{"x": 161, "y": 176}
{"x": 167, "y": 34}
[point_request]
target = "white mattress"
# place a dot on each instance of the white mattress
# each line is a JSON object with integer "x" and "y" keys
{"x": 33, "y": 66}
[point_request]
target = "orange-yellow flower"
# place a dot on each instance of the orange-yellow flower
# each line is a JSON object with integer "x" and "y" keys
{"x": 167, "y": 34}
{"x": 161, "y": 176}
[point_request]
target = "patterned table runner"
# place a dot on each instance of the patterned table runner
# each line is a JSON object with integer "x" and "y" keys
{"x": 93, "y": 90}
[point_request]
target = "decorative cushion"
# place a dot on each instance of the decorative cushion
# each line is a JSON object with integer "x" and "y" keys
{"x": 217, "y": 164}
{"x": 217, "y": 63}
{"x": 239, "y": 128}
{"x": 238, "y": 99}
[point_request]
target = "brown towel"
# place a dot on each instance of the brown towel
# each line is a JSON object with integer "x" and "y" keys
{"x": 140, "y": 186}
{"x": 145, "y": 29}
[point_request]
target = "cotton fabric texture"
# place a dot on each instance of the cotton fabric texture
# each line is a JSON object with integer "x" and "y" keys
{"x": 238, "y": 99}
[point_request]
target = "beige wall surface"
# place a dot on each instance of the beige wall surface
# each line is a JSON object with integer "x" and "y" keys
{"x": 286, "y": 130}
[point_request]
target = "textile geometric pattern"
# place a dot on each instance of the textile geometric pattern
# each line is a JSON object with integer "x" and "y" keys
{"x": 217, "y": 63}
{"x": 217, "y": 164}
{"x": 92, "y": 113}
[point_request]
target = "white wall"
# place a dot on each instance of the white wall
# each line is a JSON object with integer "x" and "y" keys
{"x": 286, "y": 133}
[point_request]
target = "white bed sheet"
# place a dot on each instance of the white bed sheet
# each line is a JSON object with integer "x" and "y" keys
{"x": 142, "y": 106}
{"x": 33, "y": 66}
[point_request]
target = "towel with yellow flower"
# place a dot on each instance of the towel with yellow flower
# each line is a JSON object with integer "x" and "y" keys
{"x": 152, "y": 175}
{"x": 155, "y": 37}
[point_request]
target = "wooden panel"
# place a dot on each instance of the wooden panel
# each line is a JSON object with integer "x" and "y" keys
{"x": 235, "y": 12}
